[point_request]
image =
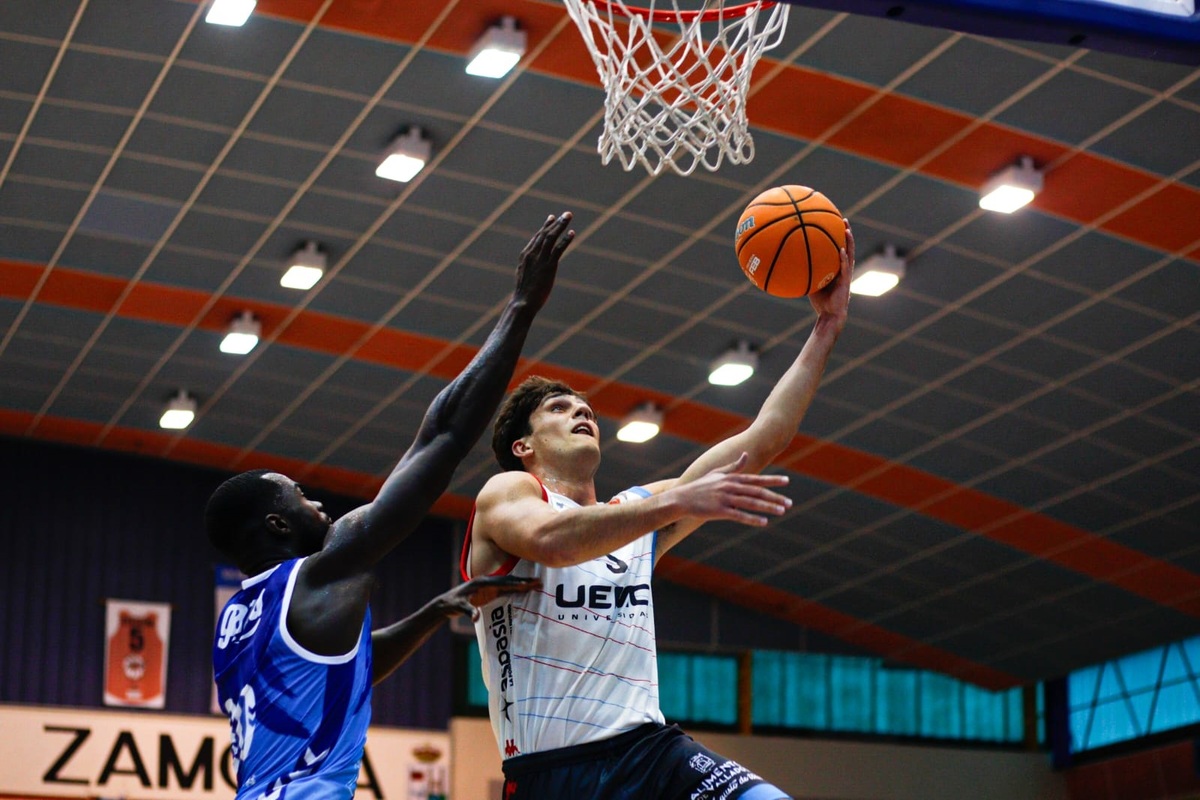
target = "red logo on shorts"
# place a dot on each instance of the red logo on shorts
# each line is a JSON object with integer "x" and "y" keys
{"x": 510, "y": 788}
{"x": 510, "y": 748}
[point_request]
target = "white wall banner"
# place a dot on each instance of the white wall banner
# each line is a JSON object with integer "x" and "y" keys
{"x": 137, "y": 637}
{"x": 89, "y": 753}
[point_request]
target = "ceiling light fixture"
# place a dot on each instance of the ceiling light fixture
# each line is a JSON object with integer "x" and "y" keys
{"x": 498, "y": 50}
{"x": 878, "y": 274}
{"x": 641, "y": 425}
{"x": 242, "y": 335}
{"x": 305, "y": 267}
{"x": 1012, "y": 187}
{"x": 230, "y": 12}
{"x": 735, "y": 366}
{"x": 406, "y": 156}
{"x": 180, "y": 411}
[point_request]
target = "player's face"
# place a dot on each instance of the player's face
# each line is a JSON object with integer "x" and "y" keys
{"x": 306, "y": 516}
{"x": 564, "y": 422}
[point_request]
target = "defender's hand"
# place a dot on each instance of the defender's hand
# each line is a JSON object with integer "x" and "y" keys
{"x": 539, "y": 259}
{"x": 467, "y": 597}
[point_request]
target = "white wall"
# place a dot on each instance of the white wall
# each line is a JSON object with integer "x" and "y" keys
{"x": 816, "y": 770}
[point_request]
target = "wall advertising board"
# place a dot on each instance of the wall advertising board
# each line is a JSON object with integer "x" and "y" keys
{"x": 87, "y": 753}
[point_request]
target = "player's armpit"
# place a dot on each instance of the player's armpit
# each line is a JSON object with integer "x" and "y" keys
{"x": 509, "y": 516}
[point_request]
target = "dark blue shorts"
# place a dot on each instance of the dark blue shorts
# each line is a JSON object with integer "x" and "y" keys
{"x": 652, "y": 762}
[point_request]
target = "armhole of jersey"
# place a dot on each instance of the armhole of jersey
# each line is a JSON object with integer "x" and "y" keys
{"x": 464, "y": 562}
{"x": 295, "y": 646}
{"x": 643, "y": 493}
{"x": 259, "y": 578}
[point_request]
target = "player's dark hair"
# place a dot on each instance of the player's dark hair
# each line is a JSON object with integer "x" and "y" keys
{"x": 237, "y": 508}
{"x": 513, "y": 420}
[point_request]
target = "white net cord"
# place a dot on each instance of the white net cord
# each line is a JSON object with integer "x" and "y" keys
{"x": 677, "y": 99}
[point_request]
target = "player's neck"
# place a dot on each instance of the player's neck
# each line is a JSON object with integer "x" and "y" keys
{"x": 579, "y": 487}
{"x": 260, "y": 564}
{"x": 268, "y": 553}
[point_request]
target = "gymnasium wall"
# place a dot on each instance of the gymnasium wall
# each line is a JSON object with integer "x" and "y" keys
{"x": 812, "y": 769}
{"x": 78, "y": 526}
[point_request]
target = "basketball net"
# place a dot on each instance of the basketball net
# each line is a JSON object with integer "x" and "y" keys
{"x": 676, "y": 92}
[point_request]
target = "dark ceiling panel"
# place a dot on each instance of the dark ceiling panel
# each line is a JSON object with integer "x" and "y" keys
{"x": 1142, "y": 142}
{"x": 344, "y": 62}
{"x": 1037, "y": 111}
{"x": 841, "y": 52}
{"x": 290, "y": 162}
{"x": 996, "y": 74}
{"x": 24, "y": 65}
{"x": 922, "y": 205}
{"x": 287, "y": 113}
{"x": 574, "y": 106}
{"x": 56, "y": 163}
{"x": 475, "y": 156}
{"x": 1012, "y": 240}
{"x": 207, "y": 97}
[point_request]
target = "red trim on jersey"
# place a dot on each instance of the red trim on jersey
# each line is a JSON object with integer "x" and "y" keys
{"x": 508, "y": 566}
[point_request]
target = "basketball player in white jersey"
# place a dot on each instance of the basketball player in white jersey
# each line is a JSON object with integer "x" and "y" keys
{"x": 571, "y": 668}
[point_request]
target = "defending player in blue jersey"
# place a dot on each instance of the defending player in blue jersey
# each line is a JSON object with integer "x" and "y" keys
{"x": 294, "y": 655}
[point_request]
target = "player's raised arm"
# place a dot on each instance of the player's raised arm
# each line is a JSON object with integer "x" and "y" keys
{"x": 512, "y": 518}
{"x": 451, "y": 426}
{"x": 775, "y": 425}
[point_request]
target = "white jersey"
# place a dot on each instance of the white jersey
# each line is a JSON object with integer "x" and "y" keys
{"x": 574, "y": 662}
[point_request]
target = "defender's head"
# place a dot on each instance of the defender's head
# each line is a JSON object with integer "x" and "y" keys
{"x": 263, "y": 514}
{"x": 530, "y": 402}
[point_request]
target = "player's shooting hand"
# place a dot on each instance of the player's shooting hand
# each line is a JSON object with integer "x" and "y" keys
{"x": 466, "y": 598}
{"x": 728, "y": 493}
{"x": 539, "y": 259}
{"x": 834, "y": 300}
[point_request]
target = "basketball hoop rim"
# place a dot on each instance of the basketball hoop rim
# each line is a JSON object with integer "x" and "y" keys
{"x": 659, "y": 15}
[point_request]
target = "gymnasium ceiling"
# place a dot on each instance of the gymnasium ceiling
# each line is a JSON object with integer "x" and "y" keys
{"x": 999, "y": 475}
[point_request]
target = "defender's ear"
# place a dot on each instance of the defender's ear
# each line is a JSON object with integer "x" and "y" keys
{"x": 277, "y": 525}
{"x": 521, "y": 448}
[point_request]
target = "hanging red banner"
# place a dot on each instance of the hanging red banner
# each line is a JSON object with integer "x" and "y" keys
{"x": 135, "y": 664}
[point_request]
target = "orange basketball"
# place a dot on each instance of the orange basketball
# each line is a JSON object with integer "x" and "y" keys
{"x": 788, "y": 241}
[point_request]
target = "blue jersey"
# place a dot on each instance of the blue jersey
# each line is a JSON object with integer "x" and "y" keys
{"x": 299, "y": 719}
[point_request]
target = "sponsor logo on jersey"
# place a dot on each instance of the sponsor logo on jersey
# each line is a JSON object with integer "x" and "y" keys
{"x": 602, "y": 596}
{"x": 236, "y": 618}
{"x": 616, "y": 565}
{"x": 724, "y": 781}
{"x": 500, "y": 625}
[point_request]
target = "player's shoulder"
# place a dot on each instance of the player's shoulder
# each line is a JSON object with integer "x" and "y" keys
{"x": 506, "y": 486}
